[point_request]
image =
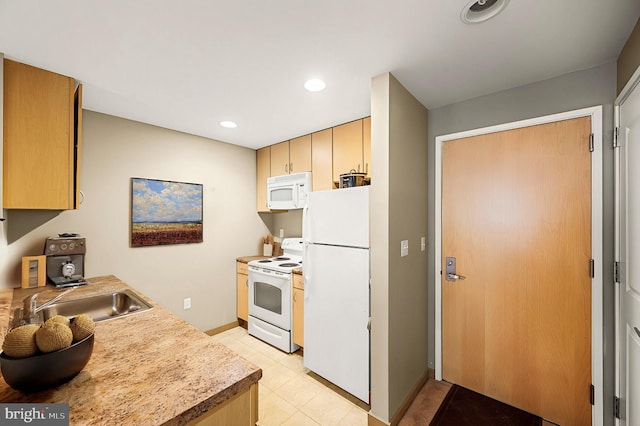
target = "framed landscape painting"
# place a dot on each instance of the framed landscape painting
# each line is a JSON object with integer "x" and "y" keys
{"x": 165, "y": 212}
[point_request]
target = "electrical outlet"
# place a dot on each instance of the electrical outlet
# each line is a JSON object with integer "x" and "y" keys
{"x": 423, "y": 244}
{"x": 187, "y": 303}
{"x": 282, "y": 233}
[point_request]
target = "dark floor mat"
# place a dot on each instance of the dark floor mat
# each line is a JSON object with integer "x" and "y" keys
{"x": 464, "y": 407}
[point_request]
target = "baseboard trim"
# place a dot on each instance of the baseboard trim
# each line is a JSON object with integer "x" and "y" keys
{"x": 407, "y": 402}
{"x": 222, "y": 328}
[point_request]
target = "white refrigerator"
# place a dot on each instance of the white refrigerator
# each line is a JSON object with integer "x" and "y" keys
{"x": 335, "y": 231}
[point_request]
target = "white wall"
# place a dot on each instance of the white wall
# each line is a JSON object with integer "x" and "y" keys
{"x": 398, "y": 210}
{"x": 113, "y": 151}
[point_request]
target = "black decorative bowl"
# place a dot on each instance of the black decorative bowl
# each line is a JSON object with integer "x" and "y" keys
{"x": 46, "y": 370}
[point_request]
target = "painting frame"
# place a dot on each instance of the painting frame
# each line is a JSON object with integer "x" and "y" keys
{"x": 165, "y": 212}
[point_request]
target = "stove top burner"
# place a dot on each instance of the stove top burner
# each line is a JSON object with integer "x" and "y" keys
{"x": 282, "y": 258}
{"x": 289, "y": 265}
{"x": 264, "y": 261}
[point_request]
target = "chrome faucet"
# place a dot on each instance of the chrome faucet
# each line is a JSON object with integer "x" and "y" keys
{"x": 30, "y": 308}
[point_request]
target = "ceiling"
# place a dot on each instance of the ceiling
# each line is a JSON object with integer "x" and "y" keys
{"x": 189, "y": 64}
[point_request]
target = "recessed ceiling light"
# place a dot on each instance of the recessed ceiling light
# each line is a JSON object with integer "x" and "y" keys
{"x": 477, "y": 11}
{"x": 315, "y": 85}
{"x": 228, "y": 124}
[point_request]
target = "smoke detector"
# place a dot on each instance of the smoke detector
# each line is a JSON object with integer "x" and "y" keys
{"x": 477, "y": 11}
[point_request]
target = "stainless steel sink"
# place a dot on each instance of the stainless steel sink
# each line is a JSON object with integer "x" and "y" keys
{"x": 100, "y": 307}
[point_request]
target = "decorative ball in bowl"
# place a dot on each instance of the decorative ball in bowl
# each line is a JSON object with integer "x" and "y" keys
{"x": 37, "y": 357}
{"x": 46, "y": 370}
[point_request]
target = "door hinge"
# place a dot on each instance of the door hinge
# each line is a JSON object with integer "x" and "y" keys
{"x": 592, "y": 268}
{"x": 592, "y": 395}
{"x": 615, "y": 138}
{"x": 616, "y": 407}
{"x": 616, "y": 272}
{"x": 591, "y": 143}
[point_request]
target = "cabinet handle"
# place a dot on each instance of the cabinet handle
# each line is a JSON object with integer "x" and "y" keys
{"x": 294, "y": 296}
{"x": 247, "y": 282}
{"x": 291, "y": 167}
{"x": 286, "y": 168}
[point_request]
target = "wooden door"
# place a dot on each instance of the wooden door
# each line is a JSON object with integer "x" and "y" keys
{"x": 347, "y": 148}
{"x": 300, "y": 154}
{"x": 322, "y": 160}
{"x": 280, "y": 159}
{"x": 516, "y": 215}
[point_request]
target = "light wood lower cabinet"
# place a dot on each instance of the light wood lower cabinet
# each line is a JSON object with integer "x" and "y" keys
{"x": 298, "y": 310}
{"x": 242, "y": 288}
{"x": 241, "y": 410}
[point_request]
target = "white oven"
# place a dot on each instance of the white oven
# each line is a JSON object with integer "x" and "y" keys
{"x": 270, "y": 302}
{"x": 270, "y": 296}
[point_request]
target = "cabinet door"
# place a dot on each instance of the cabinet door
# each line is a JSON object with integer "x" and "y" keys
{"x": 347, "y": 148}
{"x": 300, "y": 154}
{"x": 242, "y": 286}
{"x": 298, "y": 316}
{"x": 40, "y": 136}
{"x": 263, "y": 171}
{"x": 280, "y": 159}
{"x": 322, "y": 160}
{"x": 366, "y": 145}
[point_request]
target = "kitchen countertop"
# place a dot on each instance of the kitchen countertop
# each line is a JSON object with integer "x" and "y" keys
{"x": 148, "y": 368}
{"x": 247, "y": 259}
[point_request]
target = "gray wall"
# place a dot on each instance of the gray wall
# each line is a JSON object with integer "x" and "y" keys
{"x": 113, "y": 151}
{"x": 398, "y": 210}
{"x": 594, "y": 86}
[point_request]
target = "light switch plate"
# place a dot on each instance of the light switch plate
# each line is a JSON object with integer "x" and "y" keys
{"x": 187, "y": 303}
{"x": 423, "y": 244}
{"x": 404, "y": 248}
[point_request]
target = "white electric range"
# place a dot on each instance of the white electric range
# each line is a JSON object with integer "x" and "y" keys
{"x": 270, "y": 299}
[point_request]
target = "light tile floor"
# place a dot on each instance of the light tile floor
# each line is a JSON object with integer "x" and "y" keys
{"x": 289, "y": 394}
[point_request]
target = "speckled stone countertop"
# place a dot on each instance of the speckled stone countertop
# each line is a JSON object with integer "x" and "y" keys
{"x": 148, "y": 368}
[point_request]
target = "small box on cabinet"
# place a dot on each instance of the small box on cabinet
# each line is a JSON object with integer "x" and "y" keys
{"x": 33, "y": 271}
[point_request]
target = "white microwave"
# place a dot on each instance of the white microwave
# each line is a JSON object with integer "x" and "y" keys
{"x": 288, "y": 192}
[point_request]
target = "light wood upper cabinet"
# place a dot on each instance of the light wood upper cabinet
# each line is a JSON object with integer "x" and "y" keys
{"x": 280, "y": 159}
{"x": 292, "y": 156}
{"x": 300, "y": 154}
{"x": 366, "y": 145}
{"x": 42, "y": 135}
{"x": 263, "y": 171}
{"x": 322, "y": 160}
{"x": 347, "y": 148}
